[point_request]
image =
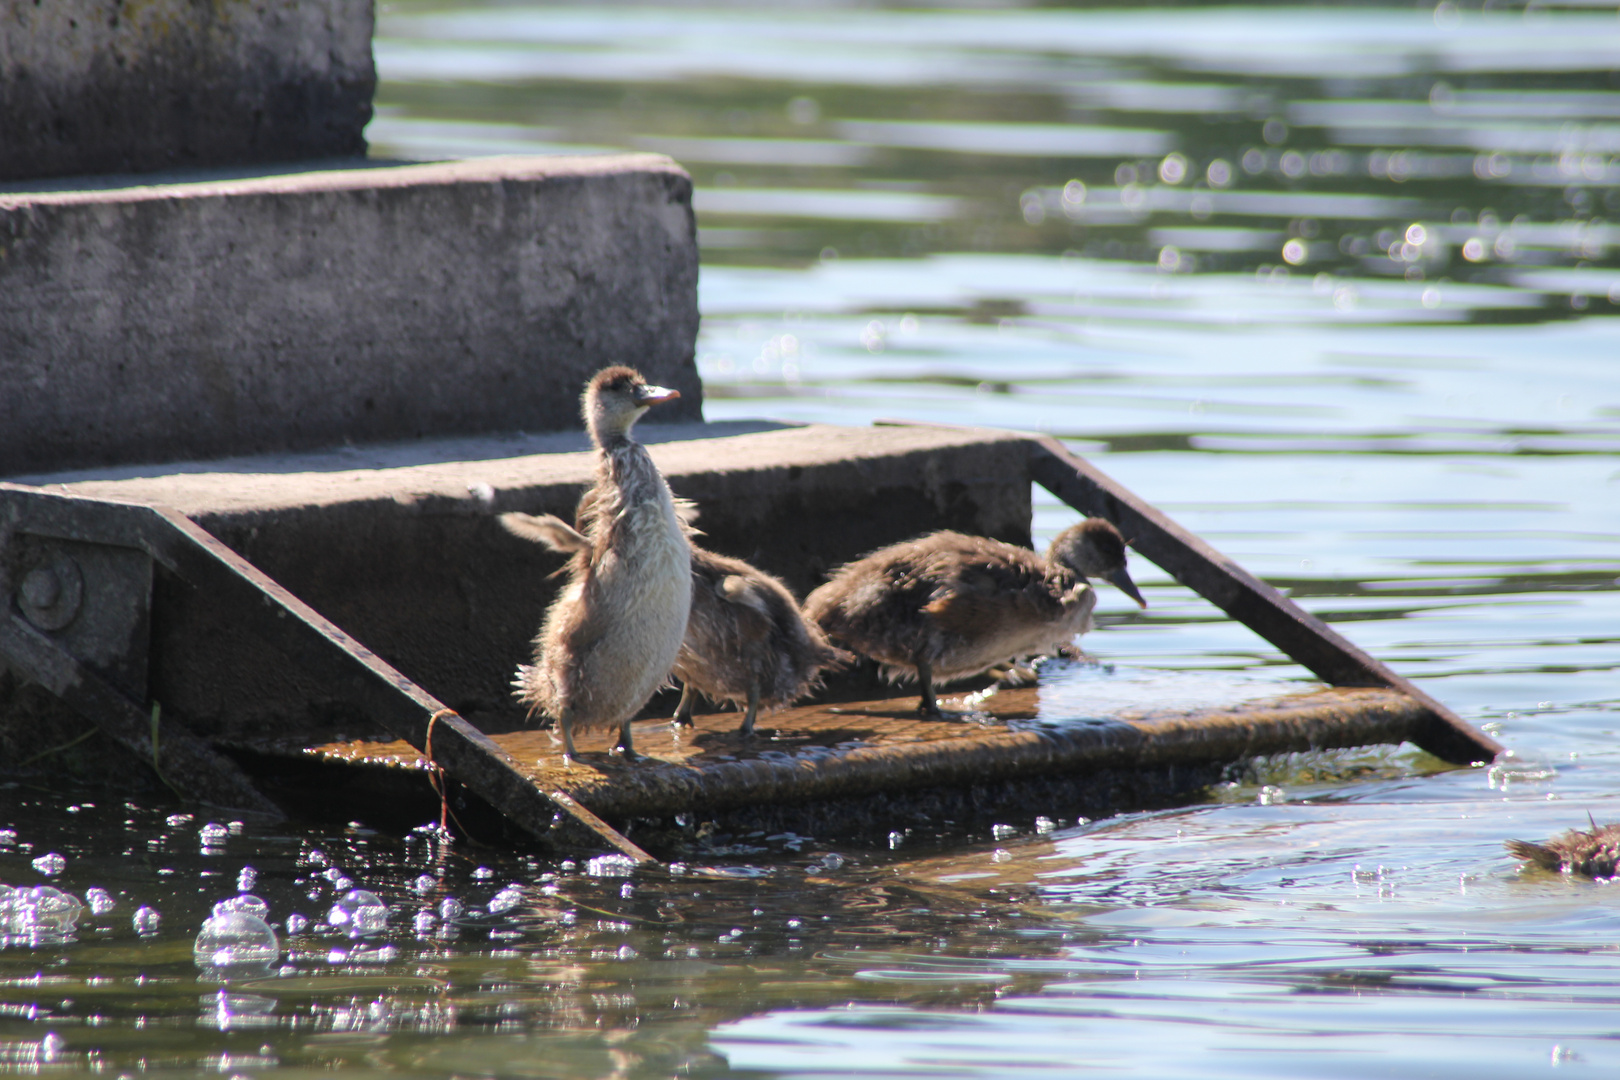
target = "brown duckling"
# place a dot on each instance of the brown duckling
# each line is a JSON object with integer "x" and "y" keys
{"x": 1595, "y": 854}
{"x": 747, "y": 641}
{"x": 610, "y": 637}
{"x": 947, "y": 606}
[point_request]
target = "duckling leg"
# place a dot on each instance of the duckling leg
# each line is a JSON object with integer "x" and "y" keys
{"x": 566, "y": 722}
{"x": 625, "y": 746}
{"x": 683, "y": 711}
{"x": 753, "y": 710}
{"x": 929, "y": 706}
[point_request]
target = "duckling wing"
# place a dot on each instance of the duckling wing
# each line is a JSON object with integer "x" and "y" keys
{"x": 547, "y": 529}
{"x": 983, "y": 598}
{"x": 1543, "y": 856}
{"x": 739, "y": 589}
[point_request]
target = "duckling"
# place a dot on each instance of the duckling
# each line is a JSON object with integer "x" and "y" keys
{"x": 747, "y": 641}
{"x": 611, "y": 636}
{"x": 947, "y": 606}
{"x": 1595, "y": 854}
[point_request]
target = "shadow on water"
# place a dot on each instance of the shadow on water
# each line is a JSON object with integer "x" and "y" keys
{"x": 1332, "y": 285}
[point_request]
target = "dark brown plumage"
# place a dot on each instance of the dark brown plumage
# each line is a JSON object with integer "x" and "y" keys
{"x": 1594, "y": 854}
{"x": 611, "y": 635}
{"x": 947, "y": 606}
{"x": 747, "y": 641}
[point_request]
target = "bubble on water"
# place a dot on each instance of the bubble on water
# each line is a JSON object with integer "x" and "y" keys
{"x": 423, "y": 921}
{"x": 246, "y": 878}
{"x": 1044, "y": 825}
{"x": 483, "y": 873}
{"x": 342, "y": 885}
{"x": 424, "y": 884}
{"x": 1271, "y": 795}
{"x": 100, "y": 900}
{"x": 896, "y": 839}
{"x": 567, "y": 866}
{"x": 146, "y": 921}
{"x": 610, "y": 866}
{"x": 50, "y": 865}
{"x": 245, "y": 904}
{"x": 626, "y": 891}
{"x": 505, "y": 900}
{"x": 378, "y": 955}
{"x": 296, "y": 923}
{"x": 1001, "y": 832}
{"x": 1001, "y": 855}
{"x": 359, "y": 913}
{"x": 677, "y": 869}
{"x": 212, "y": 836}
{"x": 832, "y": 861}
{"x": 450, "y": 908}
{"x": 174, "y": 821}
{"x": 8, "y": 837}
{"x": 235, "y": 939}
{"x": 39, "y": 912}
{"x": 332, "y": 873}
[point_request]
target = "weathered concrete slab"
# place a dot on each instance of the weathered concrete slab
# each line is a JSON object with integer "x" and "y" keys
{"x": 113, "y": 86}
{"x": 410, "y": 561}
{"x": 292, "y": 312}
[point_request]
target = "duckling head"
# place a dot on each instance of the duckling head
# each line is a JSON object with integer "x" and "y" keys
{"x": 1093, "y": 548}
{"x": 614, "y": 400}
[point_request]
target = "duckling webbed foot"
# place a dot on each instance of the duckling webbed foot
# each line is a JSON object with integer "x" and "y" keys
{"x": 928, "y": 705}
{"x": 625, "y": 745}
{"x": 683, "y": 711}
{"x": 747, "y": 728}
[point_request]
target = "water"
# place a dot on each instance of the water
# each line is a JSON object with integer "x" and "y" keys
{"x": 1332, "y": 286}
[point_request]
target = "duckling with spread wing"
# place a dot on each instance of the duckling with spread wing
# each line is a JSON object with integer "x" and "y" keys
{"x": 747, "y": 641}
{"x": 611, "y": 636}
{"x": 947, "y": 606}
{"x": 1594, "y": 854}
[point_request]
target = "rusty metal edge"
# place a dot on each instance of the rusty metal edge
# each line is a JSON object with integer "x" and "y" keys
{"x": 1299, "y": 634}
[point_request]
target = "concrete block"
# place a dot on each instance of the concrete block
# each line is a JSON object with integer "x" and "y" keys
{"x": 122, "y": 86}
{"x": 285, "y": 313}
{"x": 399, "y": 546}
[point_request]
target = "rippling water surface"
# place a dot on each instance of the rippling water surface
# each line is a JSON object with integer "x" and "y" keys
{"x": 1333, "y": 286}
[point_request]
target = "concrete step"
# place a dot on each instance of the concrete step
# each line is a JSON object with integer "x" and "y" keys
{"x": 314, "y": 308}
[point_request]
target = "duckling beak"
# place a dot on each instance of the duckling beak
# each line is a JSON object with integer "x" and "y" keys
{"x": 652, "y": 395}
{"x": 1120, "y": 580}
